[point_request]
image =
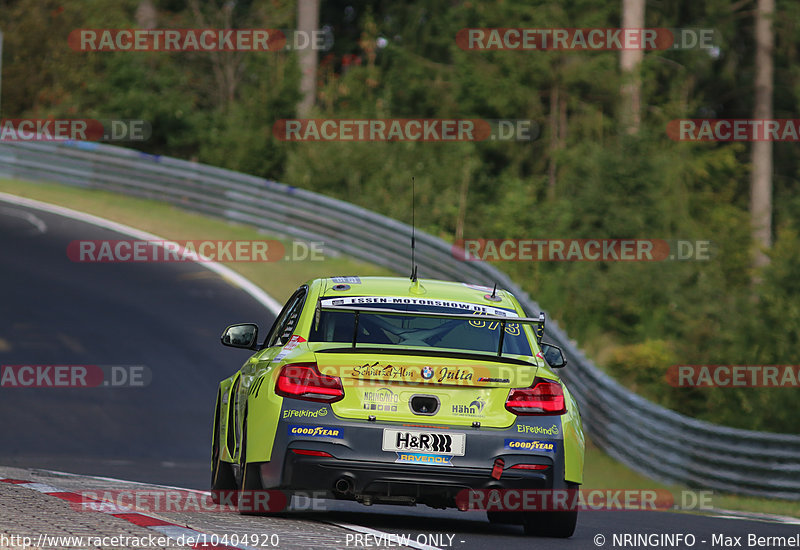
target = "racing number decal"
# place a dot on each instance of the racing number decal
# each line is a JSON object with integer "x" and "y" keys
{"x": 511, "y": 328}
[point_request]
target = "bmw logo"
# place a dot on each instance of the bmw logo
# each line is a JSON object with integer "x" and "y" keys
{"x": 427, "y": 373}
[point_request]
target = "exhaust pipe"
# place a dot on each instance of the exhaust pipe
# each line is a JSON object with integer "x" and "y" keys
{"x": 345, "y": 485}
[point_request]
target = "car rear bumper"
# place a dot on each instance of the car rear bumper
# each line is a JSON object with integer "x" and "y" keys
{"x": 357, "y": 467}
{"x": 386, "y": 481}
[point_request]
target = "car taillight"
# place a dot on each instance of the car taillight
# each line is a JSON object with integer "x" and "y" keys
{"x": 543, "y": 397}
{"x": 304, "y": 381}
{"x": 309, "y": 452}
{"x": 530, "y": 467}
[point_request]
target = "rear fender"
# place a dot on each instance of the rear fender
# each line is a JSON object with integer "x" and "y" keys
{"x": 574, "y": 442}
{"x": 263, "y": 413}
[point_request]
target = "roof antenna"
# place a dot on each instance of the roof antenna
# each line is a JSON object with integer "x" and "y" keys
{"x": 413, "y": 231}
{"x": 493, "y": 297}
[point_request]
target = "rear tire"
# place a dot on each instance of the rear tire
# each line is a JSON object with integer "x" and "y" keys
{"x": 222, "y": 478}
{"x": 555, "y": 524}
{"x": 551, "y": 524}
{"x": 504, "y": 518}
{"x": 251, "y": 480}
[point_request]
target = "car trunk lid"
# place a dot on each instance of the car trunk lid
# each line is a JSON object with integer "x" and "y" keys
{"x": 459, "y": 389}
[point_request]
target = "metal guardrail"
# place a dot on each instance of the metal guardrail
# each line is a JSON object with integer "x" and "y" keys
{"x": 653, "y": 440}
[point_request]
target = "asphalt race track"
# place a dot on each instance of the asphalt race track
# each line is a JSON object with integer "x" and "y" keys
{"x": 165, "y": 316}
{"x": 168, "y": 317}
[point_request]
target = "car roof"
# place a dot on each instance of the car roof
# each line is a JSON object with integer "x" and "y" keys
{"x": 403, "y": 286}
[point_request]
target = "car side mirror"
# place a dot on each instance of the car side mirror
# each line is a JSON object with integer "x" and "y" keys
{"x": 242, "y": 335}
{"x": 554, "y": 356}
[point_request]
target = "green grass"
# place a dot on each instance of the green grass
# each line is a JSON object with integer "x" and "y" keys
{"x": 281, "y": 278}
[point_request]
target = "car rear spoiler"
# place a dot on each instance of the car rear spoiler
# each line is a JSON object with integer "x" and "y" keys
{"x": 537, "y": 322}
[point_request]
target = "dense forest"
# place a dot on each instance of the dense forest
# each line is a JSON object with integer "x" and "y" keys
{"x": 596, "y": 170}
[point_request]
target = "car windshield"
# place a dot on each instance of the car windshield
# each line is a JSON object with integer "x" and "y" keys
{"x": 404, "y": 330}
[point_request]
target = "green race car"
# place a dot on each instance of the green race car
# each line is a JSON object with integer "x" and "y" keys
{"x": 390, "y": 391}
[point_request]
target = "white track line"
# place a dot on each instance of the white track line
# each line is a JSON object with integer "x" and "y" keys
{"x": 116, "y": 480}
{"x": 225, "y": 272}
{"x": 753, "y": 516}
{"x": 35, "y": 221}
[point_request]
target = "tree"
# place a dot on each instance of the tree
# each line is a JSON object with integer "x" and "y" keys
{"x": 761, "y": 152}
{"x": 307, "y": 22}
{"x": 630, "y": 61}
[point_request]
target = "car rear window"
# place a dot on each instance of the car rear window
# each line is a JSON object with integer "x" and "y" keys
{"x": 396, "y": 330}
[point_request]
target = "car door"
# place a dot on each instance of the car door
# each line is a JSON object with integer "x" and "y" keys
{"x": 279, "y": 334}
